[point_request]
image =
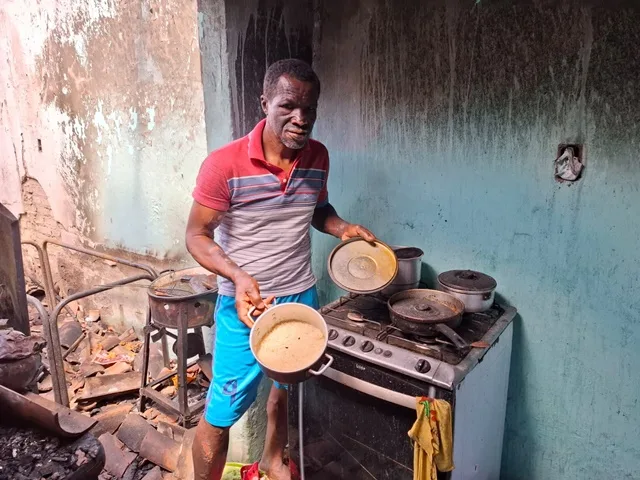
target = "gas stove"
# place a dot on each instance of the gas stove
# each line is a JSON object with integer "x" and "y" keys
{"x": 359, "y": 325}
{"x": 355, "y": 416}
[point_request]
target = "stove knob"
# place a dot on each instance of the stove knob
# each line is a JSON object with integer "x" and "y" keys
{"x": 333, "y": 334}
{"x": 377, "y": 351}
{"x": 423, "y": 366}
{"x": 387, "y": 353}
{"x": 348, "y": 341}
{"x": 366, "y": 346}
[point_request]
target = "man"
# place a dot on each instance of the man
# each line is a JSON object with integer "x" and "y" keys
{"x": 262, "y": 192}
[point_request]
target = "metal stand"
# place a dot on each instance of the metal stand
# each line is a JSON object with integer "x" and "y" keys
{"x": 52, "y": 334}
{"x": 50, "y": 323}
{"x": 180, "y": 405}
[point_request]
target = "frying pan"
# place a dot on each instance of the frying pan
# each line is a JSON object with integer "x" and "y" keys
{"x": 425, "y": 312}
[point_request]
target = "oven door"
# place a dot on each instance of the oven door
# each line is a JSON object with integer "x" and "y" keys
{"x": 355, "y": 422}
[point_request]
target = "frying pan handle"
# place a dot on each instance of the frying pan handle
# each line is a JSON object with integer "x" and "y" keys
{"x": 324, "y": 367}
{"x": 446, "y": 330}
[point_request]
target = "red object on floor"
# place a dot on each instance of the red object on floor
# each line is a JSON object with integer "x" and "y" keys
{"x": 293, "y": 468}
{"x": 250, "y": 472}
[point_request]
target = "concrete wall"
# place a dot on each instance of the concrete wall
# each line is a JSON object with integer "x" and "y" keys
{"x": 101, "y": 103}
{"x": 258, "y": 34}
{"x": 443, "y": 124}
{"x": 443, "y": 120}
{"x": 238, "y": 40}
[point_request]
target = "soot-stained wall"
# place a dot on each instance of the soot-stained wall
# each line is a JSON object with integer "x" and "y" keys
{"x": 442, "y": 120}
{"x": 258, "y": 34}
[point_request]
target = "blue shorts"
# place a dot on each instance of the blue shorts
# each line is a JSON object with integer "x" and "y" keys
{"x": 236, "y": 373}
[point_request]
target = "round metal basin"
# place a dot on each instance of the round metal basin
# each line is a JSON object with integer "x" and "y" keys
{"x": 173, "y": 293}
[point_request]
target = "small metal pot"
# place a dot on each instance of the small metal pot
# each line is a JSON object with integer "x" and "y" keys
{"x": 281, "y": 313}
{"x": 476, "y": 290}
{"x": 409, "y": 270}
{"x": 168, "y": 300}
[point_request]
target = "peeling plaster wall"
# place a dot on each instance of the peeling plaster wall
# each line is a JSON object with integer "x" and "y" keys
{"x": 101, "y": 102}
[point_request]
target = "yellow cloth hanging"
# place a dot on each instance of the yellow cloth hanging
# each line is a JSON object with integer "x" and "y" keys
{"x": 433, "y": 439}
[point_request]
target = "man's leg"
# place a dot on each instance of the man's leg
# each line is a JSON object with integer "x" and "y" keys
{"x": 236, "y": 377}
{"x": 209, "y": 451}
{"x": 276, "y": 437}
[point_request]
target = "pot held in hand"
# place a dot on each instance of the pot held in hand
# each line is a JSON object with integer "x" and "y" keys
{"x": 289, "y": 342}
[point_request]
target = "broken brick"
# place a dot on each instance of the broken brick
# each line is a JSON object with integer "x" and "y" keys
{"x": 116, "y": 459}
{"x": 110, "y": 419}
{"x": 119, "y": 367}
{"x": 133, "y": 430}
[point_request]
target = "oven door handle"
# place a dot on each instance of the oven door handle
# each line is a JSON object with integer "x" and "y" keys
{"x": 370, "y": 389}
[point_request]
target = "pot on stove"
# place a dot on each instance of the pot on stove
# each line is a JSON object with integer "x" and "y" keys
{"x": 409, "y": 270}
{"x": 425, "y": 312}
{"x": 476, "y": 290}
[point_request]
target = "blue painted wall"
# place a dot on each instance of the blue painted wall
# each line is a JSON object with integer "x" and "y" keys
{"x": 442, "y": 124}
{"x": 443, "y": 120}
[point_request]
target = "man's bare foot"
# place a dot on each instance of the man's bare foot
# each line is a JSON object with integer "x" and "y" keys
{"x": 276, "y": 471}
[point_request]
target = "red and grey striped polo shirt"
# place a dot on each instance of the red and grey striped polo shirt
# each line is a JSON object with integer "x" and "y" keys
{"x": 265, "y": 230}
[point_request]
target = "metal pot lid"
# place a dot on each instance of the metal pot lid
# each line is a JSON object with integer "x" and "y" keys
{"x": 187, "y": 283}
{"x": 359, "y": 266}
{"x": 426, "y": 306}
{"x": 467, "y": 281}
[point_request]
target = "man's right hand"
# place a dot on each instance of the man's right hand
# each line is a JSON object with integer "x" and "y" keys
{"x": 247, "y": 296}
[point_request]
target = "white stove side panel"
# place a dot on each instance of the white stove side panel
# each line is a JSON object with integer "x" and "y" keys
{"x": 480, "y": 411}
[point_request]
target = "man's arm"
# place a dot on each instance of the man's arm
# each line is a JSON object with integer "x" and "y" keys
{"x": 326, "y": 220}
{"x": 201, "y": 245}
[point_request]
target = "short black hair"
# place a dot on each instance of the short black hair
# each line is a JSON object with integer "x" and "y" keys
{"x": 291, "y": 67}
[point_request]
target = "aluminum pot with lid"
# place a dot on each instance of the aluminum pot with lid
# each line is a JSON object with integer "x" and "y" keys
{"x": 475, "y": 289}
{"x": 286, "y": 312}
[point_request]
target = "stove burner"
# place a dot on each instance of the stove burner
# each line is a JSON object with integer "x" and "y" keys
{"x": 424, "y": 339}
{"x": 355, "y": 316}
{"x": 368, "y": 302}
{"x": 388, "y": 330}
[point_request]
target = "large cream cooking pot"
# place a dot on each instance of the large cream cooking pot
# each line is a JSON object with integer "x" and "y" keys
{"x": 281, "y": 313}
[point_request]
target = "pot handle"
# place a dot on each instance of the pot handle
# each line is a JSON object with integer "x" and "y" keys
{"x": 447, "y": 331}
{"x": 324, "y": 367}
{"x": 252, "y": 310}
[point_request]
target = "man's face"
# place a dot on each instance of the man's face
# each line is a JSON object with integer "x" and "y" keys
{"x": 291, "y": 111}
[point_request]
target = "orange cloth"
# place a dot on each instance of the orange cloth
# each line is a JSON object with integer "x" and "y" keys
{"x": 433, "y": 439}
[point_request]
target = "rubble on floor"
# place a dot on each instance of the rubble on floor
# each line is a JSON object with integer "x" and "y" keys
{"x": 20, "y": 359}
{"x": 27, "y": 454}
{"x": 103, "y": 373}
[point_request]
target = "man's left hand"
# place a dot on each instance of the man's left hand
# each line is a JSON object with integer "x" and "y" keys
{"x": 352, "y": 230}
